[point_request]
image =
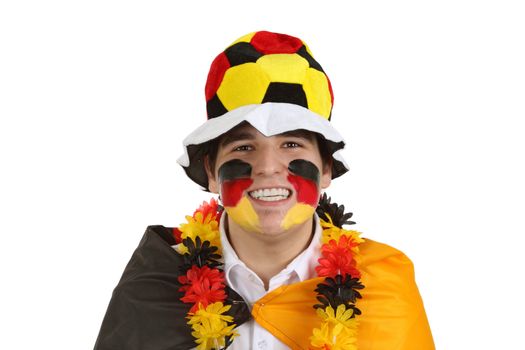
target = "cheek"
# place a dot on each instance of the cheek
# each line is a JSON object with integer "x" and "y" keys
{"x": 234, "y": 179}
{"x": 306, "y": 189}
{"x": 232, "y": 191}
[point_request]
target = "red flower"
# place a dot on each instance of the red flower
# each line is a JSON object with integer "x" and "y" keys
{"x": 202, "y": 285}
{"x": 176, "y": 234}
{"x": 337, "y": 259}
{"x": 218, "y": 217}
{"x": 209, "y": 208}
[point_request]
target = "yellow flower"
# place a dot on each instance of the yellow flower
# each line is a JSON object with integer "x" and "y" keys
{"x": 330, "y": 231}
{"x": 321, "y": 336}
{"x": 206, "y": 228}
{"x": 340, "y": 319}
{"x": 213, "y": 312}
{"x": 328, "y": 338}
{"x": 210, "y": 326}
{"x": 211, "y": 333}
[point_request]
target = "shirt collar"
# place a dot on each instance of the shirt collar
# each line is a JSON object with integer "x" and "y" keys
{"x": 303, "y": 265}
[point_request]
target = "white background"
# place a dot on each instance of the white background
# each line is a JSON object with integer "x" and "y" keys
{"x": 96, "y": 96}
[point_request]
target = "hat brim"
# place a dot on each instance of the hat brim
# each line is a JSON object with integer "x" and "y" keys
{"x": 270, "y": 119}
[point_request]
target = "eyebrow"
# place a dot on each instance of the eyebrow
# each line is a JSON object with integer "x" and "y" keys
{"x": 240, "y": 135}
{"x": 303, "y": 134}
{"x": 236, "y": 136}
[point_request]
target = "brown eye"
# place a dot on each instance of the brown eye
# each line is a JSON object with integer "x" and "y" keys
{"x": 243, "y": 148}
{"x": 291, "y": 145}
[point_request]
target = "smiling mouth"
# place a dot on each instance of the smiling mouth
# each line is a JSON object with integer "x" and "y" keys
{"x": 270, "y": 194}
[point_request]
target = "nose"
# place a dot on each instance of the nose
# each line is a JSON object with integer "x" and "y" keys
{"x": 267, "y": 162}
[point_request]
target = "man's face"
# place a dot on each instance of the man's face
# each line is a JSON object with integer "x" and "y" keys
{"x": 269, "y": 184}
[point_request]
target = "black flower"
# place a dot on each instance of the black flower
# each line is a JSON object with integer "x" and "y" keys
{"x": 336, "y": 212}
{"x": 200, "y": 254}
{"x": 339, "y": 290}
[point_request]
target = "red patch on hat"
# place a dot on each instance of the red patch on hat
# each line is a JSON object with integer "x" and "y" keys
{"x": 218, "y": 68}
{"x": 270, "y": 43}
{"x": 330, "y": 88}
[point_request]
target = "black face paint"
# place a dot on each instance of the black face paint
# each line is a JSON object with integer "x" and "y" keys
{"x": 306, "y": 169}
{"x": 234, "y": 169}
{"x": 235, "y": 178}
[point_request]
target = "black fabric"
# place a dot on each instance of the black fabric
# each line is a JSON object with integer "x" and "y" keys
{"x": 286, "y": 92}
{"x": 313, "y": 63}
{"x": 215, "y": 108}
{"x": 145, "y": 311}
{"x": 242, "y": 52}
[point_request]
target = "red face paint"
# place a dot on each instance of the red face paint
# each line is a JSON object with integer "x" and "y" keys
{"x": 307, "y": 190}
{"x": 232, "y": 191}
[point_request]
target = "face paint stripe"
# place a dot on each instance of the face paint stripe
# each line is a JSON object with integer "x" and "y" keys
{"x": 305, "y": 168}
{"x": 232, "y": 191}
{"x": 244, "y": 215}
{"x": 298, "y": 214}
{"x": 234, "y": 169}
{"x": 234, "y": 177}
{"x": 307, "y": 191}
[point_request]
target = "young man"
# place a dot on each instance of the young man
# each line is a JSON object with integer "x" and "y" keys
{"x": 272, "y": 267}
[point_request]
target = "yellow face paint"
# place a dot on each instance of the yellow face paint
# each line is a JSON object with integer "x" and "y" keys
{"x": 298, "y": 214}
{"x": 235, "y": 180}
{"x": 244, "y": 215}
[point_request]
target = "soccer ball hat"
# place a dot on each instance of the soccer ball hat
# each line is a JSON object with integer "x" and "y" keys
{"x": 271, "y": 81}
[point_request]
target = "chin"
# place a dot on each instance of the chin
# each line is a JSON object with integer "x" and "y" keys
{"x": 272, "y": 224}
{"x": 271, "y": 230}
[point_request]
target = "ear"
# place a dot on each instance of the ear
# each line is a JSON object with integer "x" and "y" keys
{"x": 213, "y": 186}
{"x": 326, "y": 175}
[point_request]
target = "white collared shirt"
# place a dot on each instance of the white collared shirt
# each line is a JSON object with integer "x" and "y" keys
{"x": 249, "y": 286}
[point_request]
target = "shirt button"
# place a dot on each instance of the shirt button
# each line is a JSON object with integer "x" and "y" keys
{"x": 251, "y": 278}
{"x": 262, "y": 344}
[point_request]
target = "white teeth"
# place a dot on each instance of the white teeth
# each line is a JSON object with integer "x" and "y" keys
{"x": 272, "y": 198}
{"x": 270, "y": 194}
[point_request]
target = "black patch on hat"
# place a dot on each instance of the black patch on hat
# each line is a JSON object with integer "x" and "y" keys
{"x": 306, "y": 169}
{"x": 215, "y": 108}
{"x": 313, "y": 63}
{"x": 241, "y": 53}
{"x": 234, "y": 169}
{"x": 286, "y": 92}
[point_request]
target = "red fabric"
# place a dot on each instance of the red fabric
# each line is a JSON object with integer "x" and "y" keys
{"x": 218, "y": 67}
{"x": 269, "y": 43}
{"x": 330, "y": 88}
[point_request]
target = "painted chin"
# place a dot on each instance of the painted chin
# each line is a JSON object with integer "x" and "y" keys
{"x": 270, "y": 213}
{"x": 280, "y": 209}
{"x": 273, "y": 208}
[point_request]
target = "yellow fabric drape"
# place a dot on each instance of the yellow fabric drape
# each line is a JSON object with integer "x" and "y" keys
{"x": 393, "y": 316}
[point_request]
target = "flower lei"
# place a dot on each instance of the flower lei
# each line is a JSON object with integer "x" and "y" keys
{"x": 338, "y": 292}
{"x": 203, "y": 281}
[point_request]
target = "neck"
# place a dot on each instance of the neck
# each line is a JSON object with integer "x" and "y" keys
{"x": 269, "y": 254}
